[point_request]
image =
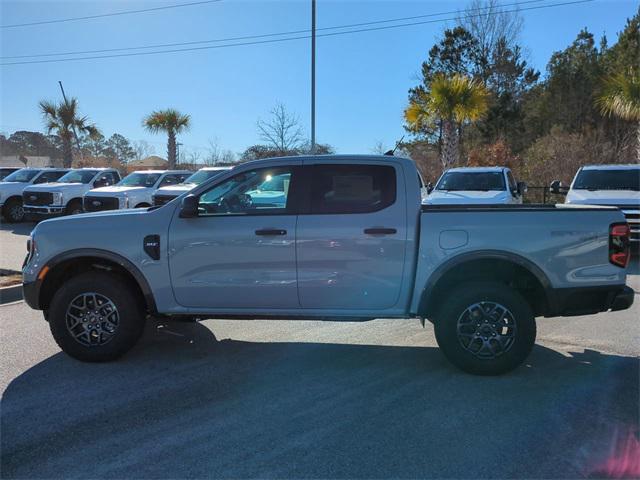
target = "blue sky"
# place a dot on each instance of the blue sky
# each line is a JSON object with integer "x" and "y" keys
{"x": 362, "y": 79}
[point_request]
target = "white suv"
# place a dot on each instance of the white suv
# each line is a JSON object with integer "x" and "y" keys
{"x": 166, "y": 194}
{"x": 64, "y": 197}
{"x": 476, "y": 185}
{"x": 133, "y": 191}
{"x": 615, "y": 185}
{"x": 13, "y": 185}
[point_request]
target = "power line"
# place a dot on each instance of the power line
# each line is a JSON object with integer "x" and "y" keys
{"x": 113, "y": 14}
{"x": 254, "y": 37}
{"x": 277, "y": 40}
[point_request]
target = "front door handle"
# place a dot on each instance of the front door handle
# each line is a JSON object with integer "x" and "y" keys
{"x": 380, "y": 231}
{"x": 271, "y": 231}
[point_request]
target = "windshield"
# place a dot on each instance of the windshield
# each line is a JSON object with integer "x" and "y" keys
{"x": 22, "y": 175}
{"x": 139, "y": 180}
{"x": 476, "y": 181}
{"x": 623, "y": 179}
{"x": 78, "y": 176}
{"x": 202, "y": 175}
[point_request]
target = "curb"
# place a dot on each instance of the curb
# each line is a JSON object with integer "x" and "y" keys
{"x": 10, "y": 294}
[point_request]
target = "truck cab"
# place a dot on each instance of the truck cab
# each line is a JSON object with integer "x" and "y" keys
{"x": 611, "y": 185}
{"x": 134, "y": 191}
{"x": 13, "y": 185}
{"x": 476, "y": 185}
{"x": 64, "y": 196}
{"x": 167, "y": 193}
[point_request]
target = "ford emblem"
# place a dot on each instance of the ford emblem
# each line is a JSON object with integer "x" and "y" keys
{"x": 33, "y": 197}
{"x": 96, "y": 203}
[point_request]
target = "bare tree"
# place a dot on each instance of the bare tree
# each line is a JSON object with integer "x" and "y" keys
{"x": 282, "y": 131}
{"x": 493, "y": 27}
{"x": 379, "y": 148}
{"x": 142, "y": 149}
{"x": 216, "y": 155}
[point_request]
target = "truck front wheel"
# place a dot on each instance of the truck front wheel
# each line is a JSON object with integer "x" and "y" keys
{"x": 13, "y": 211}
{"x": 95, "y": 317}
{"x": 485, "y": 328}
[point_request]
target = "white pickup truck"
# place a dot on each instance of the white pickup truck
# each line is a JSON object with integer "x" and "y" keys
{"x": 340, "y": 238}
{"x": 476, "y": 185}
{"x": 64, "y": 197}
{"x": 166, "y": 194}
{"x": 13, "y": 185}
{"x": 134, "y": 191}
{"x": 613, "y": 185}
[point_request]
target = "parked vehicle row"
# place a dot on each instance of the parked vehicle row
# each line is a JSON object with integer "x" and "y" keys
{"x": 42, "y": 193}
{"x": 328, "y": 237}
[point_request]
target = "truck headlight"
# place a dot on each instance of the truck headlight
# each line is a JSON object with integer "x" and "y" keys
{"x": 123, "y": 202}
{"x": 57, "y": 198}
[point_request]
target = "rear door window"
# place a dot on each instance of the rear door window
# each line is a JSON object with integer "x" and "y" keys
{"x": 343, "y": 189}
{"x": 48, "y": 177}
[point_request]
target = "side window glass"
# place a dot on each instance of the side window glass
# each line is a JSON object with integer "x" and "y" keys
{"x": 47, "y": 177}
{"x": 169, "y": 180}
{"x": 512, "y": 182}
{"x": 257, "y": 192}
{"x": 352, "y": 188}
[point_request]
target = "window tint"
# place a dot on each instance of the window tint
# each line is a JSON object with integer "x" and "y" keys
{"x": 352, "y": 188}
{"x": 471, "y": 181}
{"x": 48, "y": 177}
{"x": 263, "y": 191}
{"x": 173, "y": 179}
{"x": 618, "y": 179}
{"x": 22, "y": 175}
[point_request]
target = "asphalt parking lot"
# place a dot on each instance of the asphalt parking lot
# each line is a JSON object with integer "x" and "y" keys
{"x": 306, "y": 399}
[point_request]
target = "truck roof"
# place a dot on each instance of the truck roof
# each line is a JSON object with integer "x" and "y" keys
{"x": 612, "y": 167}
{"x": 477, "y": 169}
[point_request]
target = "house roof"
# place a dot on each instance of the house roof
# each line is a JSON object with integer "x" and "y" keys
{"x": 151, "y": 161}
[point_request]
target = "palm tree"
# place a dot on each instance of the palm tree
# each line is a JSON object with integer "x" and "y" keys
{"x": 63, "y": 119}
{"x": 172, "y": 122}
{"x": 620, "y": 97}
{"x": 453, "y": 101}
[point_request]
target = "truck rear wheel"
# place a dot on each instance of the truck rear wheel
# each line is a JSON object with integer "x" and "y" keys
{"x": 74, "y": 207}
{"x": 94, "y": 317}
{"x": 485, "y": 328}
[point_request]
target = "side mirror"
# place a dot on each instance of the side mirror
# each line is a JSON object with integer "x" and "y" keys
{"x": 189, "y": 207}
{"x": 556, "y": 187}
{"x": 522, "y": 188}
{"x": 429, "y": 187}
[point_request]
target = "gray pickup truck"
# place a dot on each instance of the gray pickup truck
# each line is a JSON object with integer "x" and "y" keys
{"x": 332, "y": 238}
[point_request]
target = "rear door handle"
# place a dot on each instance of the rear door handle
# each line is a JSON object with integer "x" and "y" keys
{"x": 271, "y": 231}
{"x": 379, "y": 231}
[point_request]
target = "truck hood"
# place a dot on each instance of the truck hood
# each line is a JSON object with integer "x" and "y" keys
{"x": 176, "y": 189}
{"x": 440, "y": 197}
{"x": 55, "y": 187}
{"x": 603, "y": 197}
{"x": 9, "y": 188}
{"x": 115, "y": 191}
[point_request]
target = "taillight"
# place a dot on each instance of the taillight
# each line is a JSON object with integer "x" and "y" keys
{"x": 619, "y": 244}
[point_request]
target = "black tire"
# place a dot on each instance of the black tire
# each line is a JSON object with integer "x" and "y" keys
{"x": 12, "y": 211}
{"x": 493, "y": 345}
{"x": 142, "y": 205}
{"x": 74, "y": 207}
{"x": 130, "y": 317}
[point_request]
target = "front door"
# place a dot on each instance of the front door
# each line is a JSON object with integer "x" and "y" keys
{"x": 239, "y": 252}
{"x": 352, "y": 237}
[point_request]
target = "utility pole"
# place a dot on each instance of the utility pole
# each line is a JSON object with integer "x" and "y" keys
{"x": 313, "y": 76}
{"x": 178, "y": 144}
{"x": 73, "y": 127}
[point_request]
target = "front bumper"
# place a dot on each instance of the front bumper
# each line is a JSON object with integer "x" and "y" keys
{"x": 31, "y": 292}
{"x": 46, "y": 211}
{"x": 567, "y": 302}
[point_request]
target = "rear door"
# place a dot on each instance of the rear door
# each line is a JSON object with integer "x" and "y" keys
{"x": 352, "y": 236}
